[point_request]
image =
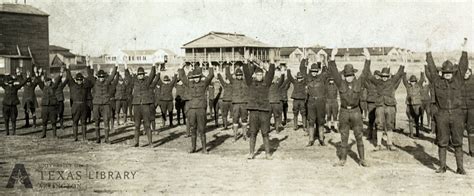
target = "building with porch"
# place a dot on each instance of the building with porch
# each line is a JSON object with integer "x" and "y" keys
{"x": 24, "y": 38}
{"x": 219, "y": 47}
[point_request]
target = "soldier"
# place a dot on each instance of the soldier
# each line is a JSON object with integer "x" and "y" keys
{"x": 350, "y": 92}
{"x": 371, "y": 99}
{"x": 89, "y": 102}
{"x": 179, "y": 101}
{"x": 29, "y": 100}
{"x": 59, "y": 92}
{"x": 166, "y": 98}
{"x": 284, "y": 96}
{"x": 121, "y": 99}
{"x": 197, "y": 105}
{"x": 259, "y": 104}
{"x": 386, "y": 104}
{"x": 299, "y": 97}
{"x": 152, "y": 93}
{"x": 101, "y": 98}
{"x": 210, "y": 99}
{"x": 142, "y": 101}
{"x": 468, "y": 95}
{"x": 332, "y": 105}
{"x": 239, "y": 100}
{"x": 448, "y": 94}
{"x": 226, "y": 102}
{"x": 112, "y": 102}
{"x": 10, "y": 101}
{"x": 316, "y": 106}
{"x": 129, "y": 101}
{"x": 274, "y": 97}
{"x": 413, "y": 101}
{"x": 78, "y": 87}
{"x": 49, "y": 103}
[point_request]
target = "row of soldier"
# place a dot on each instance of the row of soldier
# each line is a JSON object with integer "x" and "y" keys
{"x": 253, "y": 94}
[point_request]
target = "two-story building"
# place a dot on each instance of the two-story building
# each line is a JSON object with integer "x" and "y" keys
{"x": 60, "y": 57}
{"x": 219, "y": 47}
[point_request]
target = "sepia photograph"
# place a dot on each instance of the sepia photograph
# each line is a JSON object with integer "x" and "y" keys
{"x": 236, "y": 97}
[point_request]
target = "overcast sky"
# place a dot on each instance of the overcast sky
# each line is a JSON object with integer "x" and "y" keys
{"x": 106, "y": 26}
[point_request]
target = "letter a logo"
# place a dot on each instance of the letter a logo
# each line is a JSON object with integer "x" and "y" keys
{"x": 19, "y": 175}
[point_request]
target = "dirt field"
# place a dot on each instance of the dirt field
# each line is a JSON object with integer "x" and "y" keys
{"x": 166, "y": 169}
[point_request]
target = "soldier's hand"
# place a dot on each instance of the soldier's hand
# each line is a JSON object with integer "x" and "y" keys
{"x": 366, "y": 54}
{"x": 464, "y": 44}
{"x": 334, "y": 53}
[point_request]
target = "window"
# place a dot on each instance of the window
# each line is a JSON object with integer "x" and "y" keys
{"x": 144, "y": 58}
{"x": 114, "y": 58}
{"x": 2, "y": 62}
{"x": 139, "y": 58}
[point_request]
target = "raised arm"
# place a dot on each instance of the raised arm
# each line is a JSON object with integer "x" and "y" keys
{"x": 405, "y": 81}
{"x": 431, "y": 67}
{"x": 281, "y": 80}
{"x": 422, "y": 79}
{"x": 290, "y": 77}
{"x": 227, "y": 74}
{"x": 247, "y": 74}
{"x": 398, "y": 76}
{"x": 152, "y": 75}
{"x": 174, "y": 80}
{"x": 303, "y": 69}
{"x": 463, "y": 62}
{"x": 156, "y": 80}
{"x": 334, "y": 73}
{"x": 270, "y": 74}
{"x": 209, "y": 77}
{"x": 221, "y": 80}
{"x": 183, "y": 77}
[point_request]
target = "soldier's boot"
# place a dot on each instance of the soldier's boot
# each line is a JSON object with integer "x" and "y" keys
{"x": 171, "y": 119}
{"x": 27, "y": 120}
{"x": 321, "y": 135}
{"x": 178, "y": 116}
{"x": 311, "y": 136}
{"x": 14, "y": 128}
{"x": 252, "y": 142}
{"x": 34, "y": 121}
{"x": 361, "y": 151}
{"x": 343, "y": 157}
{"x": 193, "y": 144}
{"x": 410, "y": 127}
{"x": 266, "y": 144}
{"x": 442, "y": 160}
{"x": 390, "y": 146}
{"x": 7, "y": 127}
{"x": 235, "y": 127}
{"x": 470, "y": 139}
{"x": 203, "y": 144}
{"x": 112, "y": 126}
{"x": 458, "y": 153}
{"x": 370, "y": 133}
{"x": 295, "y": 122}
{"x": 244, "y": 130}
{"x": 75, "y": 129}
{"x": 277, "y": 126}
{"x": 84, "y": 130}
{"x": 150, "y": 138}
{"x": 417, "y": 129}
{"x": 379, "y": 134}
{"x": 137, "y": 137}
{"x": 43, "y": 133}
{"x": 305, "y": 125}
{"x": 224, "y": 122}
{"x": 61, "y": 122}
{"x": 107, "y": 135}
{"x": 97, "y": 134}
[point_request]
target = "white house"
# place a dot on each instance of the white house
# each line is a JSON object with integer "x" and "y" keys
{"x": 141, "y": 56}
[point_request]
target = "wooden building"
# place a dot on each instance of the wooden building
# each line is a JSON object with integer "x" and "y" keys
{"x": 60, "y": 57}
{"x": 24, "y": 38}
{"x": 291, "y": 55}
{"x": 218, "y": 47}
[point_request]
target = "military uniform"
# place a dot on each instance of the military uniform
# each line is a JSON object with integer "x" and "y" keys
{"x": 450, "y": 125}
{"x": 468, "y": 95}
{"x": 152, "y": 93}
{"x": 121, "y": 99}
{"x": 142, "y": 102}
{"x": 259, "y": 107}
{"x": 49, "y": 104}
{"x": 78, "y": 94}
{"x": 29, "y": 100}
{"x": 112, "y": 102}
{"x": 332, "y": 105}
{"x": 10, "y": 102}
{"x": 226, "y": 102}
{"x": 350, "y": 116}
{"x": 371, "y": 107}
{"x": 89, "y": 104}
{"x": 129, "y": 100}
{"x": 210, "y": 97}
{"x": 299, "y": 97}
{"x": 317, "y": 92}
{"x": 59, "y": 93}
{"x": 239, "y": 101}
{"x": 101, "y": 98}
{"x": 363, "y": 102}
{"x": 180, "y": 102}
{"x": 196, "y": 106}
{"x": 166, "y": 98}
{"x": 276, "y": 107}
{"x": 426, "y": 103}
{"x": 413, "y": 101}
{"x": 284, "y": 100}
{"x": 386, "y": 105}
